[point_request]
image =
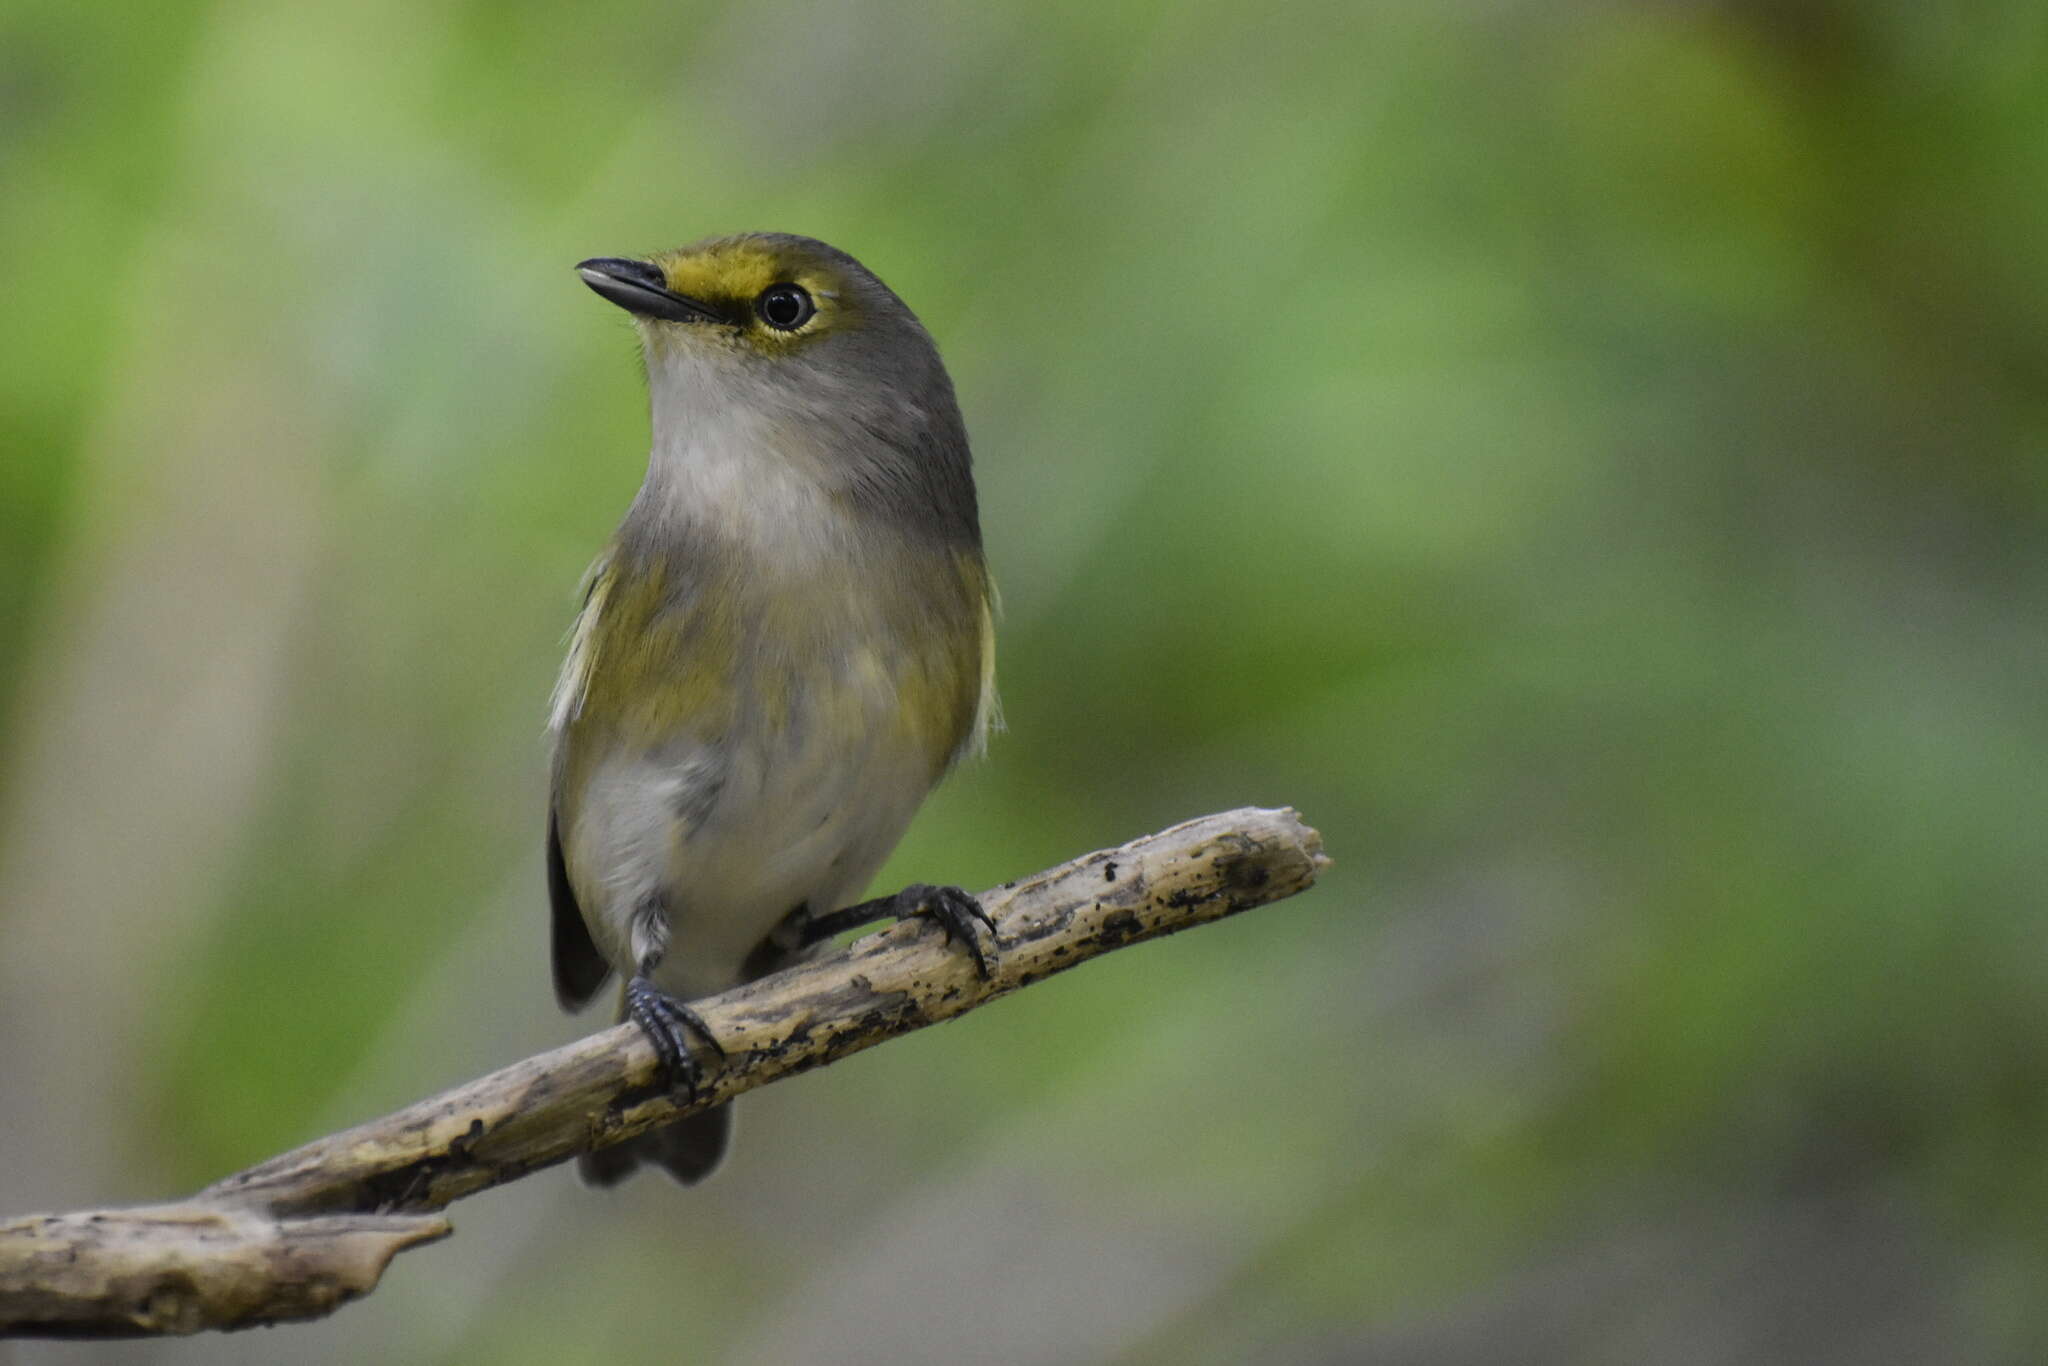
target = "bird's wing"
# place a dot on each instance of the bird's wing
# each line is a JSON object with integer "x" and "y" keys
{"x": 579, "y": 968}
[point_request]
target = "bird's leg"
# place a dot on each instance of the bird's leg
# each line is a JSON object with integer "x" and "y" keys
{"x": 666, "y": 1021}
{"x": 782, "y": 945}
{"x": 957, "y": 912}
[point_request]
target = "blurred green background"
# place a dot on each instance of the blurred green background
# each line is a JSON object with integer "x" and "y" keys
{"x": 1592, "y": 458}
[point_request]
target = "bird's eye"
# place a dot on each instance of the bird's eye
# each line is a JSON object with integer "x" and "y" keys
{"x": 785, "y": 307}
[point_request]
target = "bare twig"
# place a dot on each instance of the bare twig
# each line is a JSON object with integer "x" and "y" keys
{"x": 296, "y": 1236}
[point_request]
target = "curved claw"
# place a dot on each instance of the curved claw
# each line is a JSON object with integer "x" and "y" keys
{"x": 958, "y": 914}
{"x": 668, "y": 1024}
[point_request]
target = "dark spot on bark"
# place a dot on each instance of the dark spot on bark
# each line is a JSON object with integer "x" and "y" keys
{"x": 1244, "y": 875}
{"x": 459, "y": 1146}
{"x": 1120, "y": 928}
{"x": 399, "y": 1189}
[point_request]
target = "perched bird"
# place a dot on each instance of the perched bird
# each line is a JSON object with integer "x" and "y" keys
{"x": 785, "y": 646}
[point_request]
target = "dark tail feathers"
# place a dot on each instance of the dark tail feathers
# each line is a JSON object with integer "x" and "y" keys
{"x": 688, "y": 1150}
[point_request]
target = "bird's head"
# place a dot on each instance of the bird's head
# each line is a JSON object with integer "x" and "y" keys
{"x": 759, "y": 303}
{"x": 802, "y": 346}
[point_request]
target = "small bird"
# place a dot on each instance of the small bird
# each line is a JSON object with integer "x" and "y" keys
{"x": 787, "y": 643}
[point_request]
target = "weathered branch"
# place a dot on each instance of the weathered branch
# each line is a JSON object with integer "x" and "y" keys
{"x": 301, "y": 1234}
{"x": 184, "y": 1268}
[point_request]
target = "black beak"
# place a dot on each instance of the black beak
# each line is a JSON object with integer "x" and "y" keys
{"x": 641, "y": 288}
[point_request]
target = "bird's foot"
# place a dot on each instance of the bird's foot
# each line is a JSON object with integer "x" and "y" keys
{"x": 668, "y": 1024}
{"x": 957, "y": 912}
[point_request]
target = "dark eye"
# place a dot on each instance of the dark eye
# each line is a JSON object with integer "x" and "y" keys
{"x": 785, "y": 307}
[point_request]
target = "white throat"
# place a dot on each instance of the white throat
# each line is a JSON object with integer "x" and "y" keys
{"x": 727, "y": 456}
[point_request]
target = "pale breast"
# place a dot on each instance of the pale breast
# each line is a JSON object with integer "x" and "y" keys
{"x": 721, "y": 766}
